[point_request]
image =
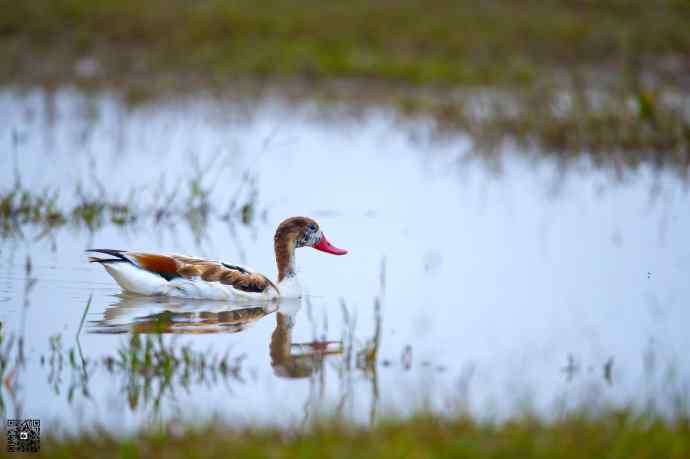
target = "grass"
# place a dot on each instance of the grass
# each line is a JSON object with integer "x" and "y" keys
{"x": 614, "y": 126}
{"x": 621, "y": 65}
{"x": 436, "y": 42}
{"x": 613, "y": 435}
{"x": 189, "y": 201}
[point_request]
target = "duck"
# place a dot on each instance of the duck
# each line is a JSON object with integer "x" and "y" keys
{"x": 182, "y": 276}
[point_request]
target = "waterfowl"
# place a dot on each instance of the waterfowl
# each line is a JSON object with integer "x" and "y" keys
{"x": 181, "y": 276}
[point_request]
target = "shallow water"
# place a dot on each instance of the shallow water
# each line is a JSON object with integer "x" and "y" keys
{"x": 508, "y": 284}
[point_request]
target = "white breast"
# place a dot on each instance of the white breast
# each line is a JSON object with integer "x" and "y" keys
{"x": 290, "y": 287}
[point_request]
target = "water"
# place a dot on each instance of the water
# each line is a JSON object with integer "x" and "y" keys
{"x": 504, "y": 284}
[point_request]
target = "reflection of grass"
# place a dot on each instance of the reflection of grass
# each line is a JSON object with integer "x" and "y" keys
{"x": 616, "y": 434}
{"x": 154, "y": 368}
{"x": 439, "y": 41}
{"x": 146, "y": 367}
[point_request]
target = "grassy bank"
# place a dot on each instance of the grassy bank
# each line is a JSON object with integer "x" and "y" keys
{"x": 436, "y": 42}
{"x": 566, "y": 76}
{"x": 615, "y": 435}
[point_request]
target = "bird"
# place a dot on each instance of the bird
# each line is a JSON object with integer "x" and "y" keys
{"x": 182, "y": 276}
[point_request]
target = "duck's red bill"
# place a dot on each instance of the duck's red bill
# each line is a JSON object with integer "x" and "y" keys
{"x": 325, "y": 246}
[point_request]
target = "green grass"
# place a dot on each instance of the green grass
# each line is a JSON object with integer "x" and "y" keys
{"x": 189, "y": 202}
{"x": 613, "y": 435}
{"x": 623, "y": 63}
{"x": 415, "y": 41}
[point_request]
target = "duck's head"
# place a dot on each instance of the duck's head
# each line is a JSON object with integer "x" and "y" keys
{"x": 305, "y": 232}
{"x": 296, "y": 232}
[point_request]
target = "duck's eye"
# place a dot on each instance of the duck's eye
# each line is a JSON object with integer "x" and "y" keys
{"x": 312, "y": 227}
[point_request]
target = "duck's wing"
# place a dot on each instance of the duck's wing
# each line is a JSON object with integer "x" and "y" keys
{"x": 174, "y": 266}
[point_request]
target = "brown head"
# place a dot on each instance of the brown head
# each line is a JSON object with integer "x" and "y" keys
{"x": 296, "y": 232}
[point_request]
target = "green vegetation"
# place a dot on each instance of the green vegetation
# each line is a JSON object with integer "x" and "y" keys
{"x": 439, "y": 41}
{"x": 614, "y": 435}
{"x": 566, "y": 76}
{"x": 613, "y": 127}
{"x": 189, "y": 201}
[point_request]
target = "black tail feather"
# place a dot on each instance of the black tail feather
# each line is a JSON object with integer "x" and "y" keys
{"x": 119, "y": 258}
{"x": 114, "y": 253}
{"x": 106, "y": 260}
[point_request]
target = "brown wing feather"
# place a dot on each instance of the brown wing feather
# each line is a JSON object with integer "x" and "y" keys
{"x": 156, "y": 263}
{"x": 210, "y": 271}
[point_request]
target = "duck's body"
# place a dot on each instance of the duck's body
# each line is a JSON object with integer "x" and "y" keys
{"x": 182, "y": 276}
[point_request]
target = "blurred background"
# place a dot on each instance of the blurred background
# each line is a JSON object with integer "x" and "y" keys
{"x": 511, "y": 179}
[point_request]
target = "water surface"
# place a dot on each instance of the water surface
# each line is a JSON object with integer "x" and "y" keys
{"x": 502, "y": 283}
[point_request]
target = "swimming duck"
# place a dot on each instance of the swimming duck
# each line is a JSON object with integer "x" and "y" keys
{"x": 182, "y": 276}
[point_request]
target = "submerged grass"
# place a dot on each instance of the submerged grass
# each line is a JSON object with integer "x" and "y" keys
{"x": 612, "y": 435}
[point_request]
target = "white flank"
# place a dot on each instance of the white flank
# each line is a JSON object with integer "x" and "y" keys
{"x": 198, "y": 289}
{"x": 136, "y": 280}
{"x": 142, "y": 282}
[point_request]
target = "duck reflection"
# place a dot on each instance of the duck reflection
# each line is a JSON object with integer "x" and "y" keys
{"x": 297, "y": 360}
{"x": 139, "y": 314}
